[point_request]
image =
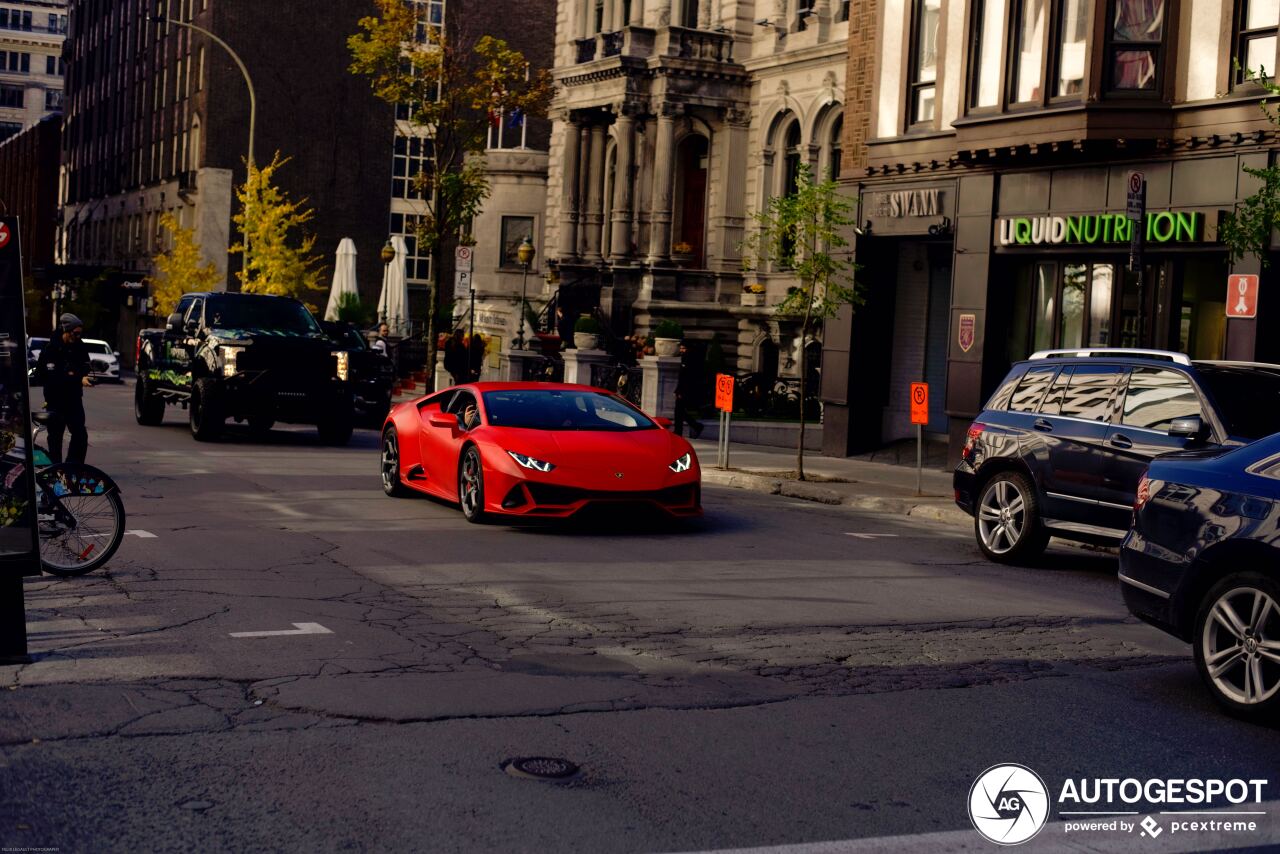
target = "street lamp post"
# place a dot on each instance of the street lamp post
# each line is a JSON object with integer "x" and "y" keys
{"x": 525, "y": 255}
{"x": 253, "y": 100}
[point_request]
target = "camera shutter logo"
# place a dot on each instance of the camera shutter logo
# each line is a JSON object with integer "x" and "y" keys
{"x": 1008, "y": 804}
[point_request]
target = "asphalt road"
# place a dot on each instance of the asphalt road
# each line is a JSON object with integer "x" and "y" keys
{"x": 778, "y": 673}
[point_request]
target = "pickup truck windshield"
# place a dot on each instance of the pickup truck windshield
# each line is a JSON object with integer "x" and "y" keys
{"x": 234, "y": 311}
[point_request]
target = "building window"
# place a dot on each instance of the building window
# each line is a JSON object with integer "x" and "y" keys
{"x": 1135, "y": 39}
{"x": 15, "y": 19}
{"x": 688, "y": 14}
{"x": 1028, "y": 51}
{"x": 53, "y": 99}
{"x": 417, "y": 267}
{"x": 12, "y": 96}
{"x": 988, "y": 36}
{"x": 15, "y": 61}
{"x": 1073, "y": 30}
{"x": 515, "y": 229}
{"x": 791, "y": 160}
{"x": 1256, "y": 38}
{"x": 835, "y": 148}
{"x": 412, "y": 157}
{"x": 923, "y": 71}
{"x": 842, "y": 12}
{"x": 804, "y": 9}
{"x": 8, "y": 129}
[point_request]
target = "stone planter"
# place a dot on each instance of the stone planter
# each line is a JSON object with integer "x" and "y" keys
{"x": 751, "y": 299}
{"x": 666, "y": 346}
{"x": 586, "y": 341}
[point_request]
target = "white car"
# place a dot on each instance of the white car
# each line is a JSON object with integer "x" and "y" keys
{"x": 101, "y": 352}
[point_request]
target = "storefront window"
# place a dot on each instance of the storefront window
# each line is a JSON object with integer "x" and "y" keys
{"x": 1045, "y": 302}
{"x": 1100, "y": 305}
{"x": 1071, "y": 319}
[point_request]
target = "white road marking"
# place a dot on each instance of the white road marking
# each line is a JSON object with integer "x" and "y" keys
{"x": 141, "y": 534}
{"x": 298, "y": 629}
{"x": 869, "y": 536}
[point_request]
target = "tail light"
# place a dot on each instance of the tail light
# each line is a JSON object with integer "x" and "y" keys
{"x": 971, "y": 439}
{"x": 1144, "y": 493}
{"x": 137, "y": 351}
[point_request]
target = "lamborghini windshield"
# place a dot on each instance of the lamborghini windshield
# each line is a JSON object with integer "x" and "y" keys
{"x": 563, "y": 409}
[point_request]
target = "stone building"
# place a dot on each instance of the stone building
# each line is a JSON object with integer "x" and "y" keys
{"x": 675, "y": 121}
{"x": 31, "y": 36}
{"x": 991, "y": 146}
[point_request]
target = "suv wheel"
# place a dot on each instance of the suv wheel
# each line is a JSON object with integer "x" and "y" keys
{"x": 148, "y": 409}
{"x": 1007, "y": 521}
{"x": 1237, "y": 644}
{"x": 205, "y": 410}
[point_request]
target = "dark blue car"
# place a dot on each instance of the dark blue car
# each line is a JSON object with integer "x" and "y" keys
{"x": 1202, "y": 562}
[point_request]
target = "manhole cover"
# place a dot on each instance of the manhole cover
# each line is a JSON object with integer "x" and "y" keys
{"x": 540, "y": 768}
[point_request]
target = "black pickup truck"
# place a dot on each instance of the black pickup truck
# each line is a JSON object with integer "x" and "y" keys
{"x": 372, "y": 374}
{"x": 248, "y": 357}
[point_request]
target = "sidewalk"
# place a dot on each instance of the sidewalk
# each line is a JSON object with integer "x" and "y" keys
{"x": 857, "y": 483}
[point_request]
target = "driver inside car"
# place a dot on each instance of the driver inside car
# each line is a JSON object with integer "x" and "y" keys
{"x": 470, "y": 417}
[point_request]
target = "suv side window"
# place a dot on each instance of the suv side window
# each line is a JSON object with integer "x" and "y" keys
{"x": 194, "y": 314}
{"x": 1031, "y": 389}
{"x": 1156, "y": 396}
{"x": 1091, "y": 392}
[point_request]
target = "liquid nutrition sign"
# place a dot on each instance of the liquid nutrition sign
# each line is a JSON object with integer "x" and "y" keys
{"x": 1158, "y": 227}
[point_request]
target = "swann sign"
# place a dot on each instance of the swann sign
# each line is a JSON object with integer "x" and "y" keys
{"x": 1159, "y": 227}
{"x": 905, "y": 203}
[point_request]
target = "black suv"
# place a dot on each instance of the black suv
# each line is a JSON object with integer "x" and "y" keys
{"x": 1062, "y": 444}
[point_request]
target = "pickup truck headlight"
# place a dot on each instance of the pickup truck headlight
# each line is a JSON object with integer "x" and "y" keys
{"x": 344, "y": 363}
{"x": 229, "y": 355}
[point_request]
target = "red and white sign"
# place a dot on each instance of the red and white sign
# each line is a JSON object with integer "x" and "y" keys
{"x": 724, "y": 392}
{"x": 919, "y": 403}
{"x": 1242, "y": 295}
{"x": 4, "y": 235}
{"x": 463, "y": 257}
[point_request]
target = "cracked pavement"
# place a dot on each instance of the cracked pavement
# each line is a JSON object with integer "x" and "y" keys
{"x": 696, "y": 672}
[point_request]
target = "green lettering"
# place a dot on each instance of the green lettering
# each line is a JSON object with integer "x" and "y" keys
{"x": 1151, "y": 218}
{"x": 1162, "y": 226}
{"x": 1185, "y": 229}
{"x": 1022, "y": 230}
{"x": 1124, "y": 229}
{"x": 1092, "y": 229}
{"x": 1075, "y": 233}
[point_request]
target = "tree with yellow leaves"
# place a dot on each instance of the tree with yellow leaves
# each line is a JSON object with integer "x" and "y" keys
{"x": 279, "y": 257}
{"x": 180, "y": 270}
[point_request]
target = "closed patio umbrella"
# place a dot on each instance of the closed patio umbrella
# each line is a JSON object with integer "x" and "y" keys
{"x": 393, "y": 305}
{"x": 344, "y": 277}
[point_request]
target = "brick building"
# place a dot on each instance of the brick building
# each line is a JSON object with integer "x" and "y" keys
{"x": 157, "y": 119}
{"x": 29, "y": 165}
{"x": 989, "y": 145}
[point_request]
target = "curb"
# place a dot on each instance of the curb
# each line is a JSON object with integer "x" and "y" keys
{"x": 824, "y": 495}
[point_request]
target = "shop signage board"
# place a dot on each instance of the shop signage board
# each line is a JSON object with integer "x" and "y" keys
{"x": 463, "y": 258}
{"x": 1153, "y": 227}
{"x": 1242, "y": 295}
{"x": 919, "y": 403}
{"x": 19, "y": 543}
{"x": 968, "y": 332}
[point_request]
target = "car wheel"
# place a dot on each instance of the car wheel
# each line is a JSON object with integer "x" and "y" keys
{"x": 1237, "y": 644}
{"x": 471, "y": 485}
{"x": 205, "y": 411}
{"x": 391, "y": 483}
{"x": 148, "y": 409}
{"x": 1007, "y": 521}
{"x": 261, "y": 425}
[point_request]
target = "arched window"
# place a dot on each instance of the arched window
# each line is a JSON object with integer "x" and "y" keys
{"x": 791, "y": 159}
{"x": 834, "y": 148}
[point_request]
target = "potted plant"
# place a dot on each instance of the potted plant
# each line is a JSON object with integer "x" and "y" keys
{"x": 666, "y": 338}
{"x": 586, "y": 333}
{"x": 753, "y": 294}
{"x": 682, "y": 252}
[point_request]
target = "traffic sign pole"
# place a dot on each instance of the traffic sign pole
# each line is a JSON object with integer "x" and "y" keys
{"x": 1136, "y": 212}
{"x": 919, "y": 417}
{"x": 919, "y": 459}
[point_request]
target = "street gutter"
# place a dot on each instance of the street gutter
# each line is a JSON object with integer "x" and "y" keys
{"x": 915, "y": 507}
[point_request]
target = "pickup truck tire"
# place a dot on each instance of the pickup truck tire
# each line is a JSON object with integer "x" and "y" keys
{"x": 260, "y": 425}
{"x": 336, "y": 429}
{"x": 148, "y": 409}
{"x": 205, "y": 411}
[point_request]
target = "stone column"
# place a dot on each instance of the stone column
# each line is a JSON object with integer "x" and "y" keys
{"x": 569, "y": 198}
{"x": 514, "y": 364}
{"x": 595, "y": 195}
{"x": 578, "y": 365}
{"x": 584, "y": 178}
{"x": 585, "y": 9}
{"x": 663, "y": 171}
{"x": 637, "y": 13}
{"x": 620, "y": 236}
{"x": 610, "y": 18}
{"x": 658, "y": 389}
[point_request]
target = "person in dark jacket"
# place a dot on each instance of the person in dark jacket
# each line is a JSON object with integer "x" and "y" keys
{"x": 456, "y": 357}
{"x": 475, "y": 354}
{"x": 64, "y": 363}
{"x": 687, "y": 392}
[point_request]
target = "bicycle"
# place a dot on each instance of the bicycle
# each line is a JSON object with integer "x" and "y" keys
{"x": 79, "y": 512}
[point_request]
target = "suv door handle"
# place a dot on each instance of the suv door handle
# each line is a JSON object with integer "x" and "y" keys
{"x": 1120, "y": 440}
{"x": 1043, "y": 425}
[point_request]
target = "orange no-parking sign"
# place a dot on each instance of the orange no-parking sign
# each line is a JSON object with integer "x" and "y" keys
{"x": 724, "y": 392}
{"x": 919, "y": 403}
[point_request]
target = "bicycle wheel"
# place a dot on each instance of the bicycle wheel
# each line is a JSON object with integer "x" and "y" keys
{"x": 81, "y": 518}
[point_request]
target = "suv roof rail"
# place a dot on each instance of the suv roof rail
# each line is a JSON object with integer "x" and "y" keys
{"x": 1108, "y": 352}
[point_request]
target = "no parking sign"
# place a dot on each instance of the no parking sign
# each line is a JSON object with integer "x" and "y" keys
{"x": 919, "y": 403}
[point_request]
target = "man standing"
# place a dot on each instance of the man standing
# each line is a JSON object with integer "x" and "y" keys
{"x": 64, "y": 362}
{"x": 457, "y": 359}
{"x": 380, "y": 344}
